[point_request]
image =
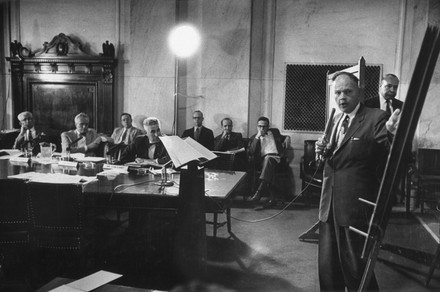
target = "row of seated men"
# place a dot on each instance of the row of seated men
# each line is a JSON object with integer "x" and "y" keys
{"x": 265, "y": 148}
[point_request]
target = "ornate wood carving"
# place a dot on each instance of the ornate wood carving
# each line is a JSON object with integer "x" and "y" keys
{"x": 61, "y": 78}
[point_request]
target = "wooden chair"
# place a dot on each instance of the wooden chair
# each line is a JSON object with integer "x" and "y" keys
{"x": 14, "y": 224}
{"x": 428, "y": 176}
{"x": 59, "y": 223}
{"x": 282, "y": 172}
{"x": 358, "y": 71}
{"x": 224, "y": 161}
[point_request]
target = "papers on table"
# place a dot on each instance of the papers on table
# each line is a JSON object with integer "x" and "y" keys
{"x": 90, "y": 159}
{"x": 10, "y": 152}
{"x": 89, "y": 283}
{"x": 59, "y": 178}
{"x": 44, "y": 161}
{"x": 77, "y": 155}
{"x": 230, "y": 151}
{"x": 144, "y": 164}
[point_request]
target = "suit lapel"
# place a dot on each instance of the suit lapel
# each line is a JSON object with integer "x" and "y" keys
{"x": 354, "y": 126}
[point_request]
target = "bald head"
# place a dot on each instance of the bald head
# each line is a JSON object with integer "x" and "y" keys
{"x": 346, "y": 91}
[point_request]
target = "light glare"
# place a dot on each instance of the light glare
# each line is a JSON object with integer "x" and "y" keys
{"x": 184, "y": 40}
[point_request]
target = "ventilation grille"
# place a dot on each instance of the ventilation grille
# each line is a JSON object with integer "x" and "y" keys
{"x": 305, "y": 98}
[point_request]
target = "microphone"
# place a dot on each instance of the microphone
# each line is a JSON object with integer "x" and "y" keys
{"x": 320, "y": 157}
{"x": 165, "y": 182}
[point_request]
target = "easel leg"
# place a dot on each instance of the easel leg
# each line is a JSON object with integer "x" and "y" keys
{"x": 310, "y": 234}
{"x": 369, "y": 268}
{"x": 433, "y": 264}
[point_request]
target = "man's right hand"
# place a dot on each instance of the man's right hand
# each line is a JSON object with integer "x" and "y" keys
{"x": 320, "y": 145}
{"x": 23, "y": 130}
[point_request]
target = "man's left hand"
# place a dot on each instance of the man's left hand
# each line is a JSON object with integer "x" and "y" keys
{"x": 393, "y": 122}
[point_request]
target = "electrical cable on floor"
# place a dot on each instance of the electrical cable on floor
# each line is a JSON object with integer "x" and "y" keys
{"x": 272, "y": 216}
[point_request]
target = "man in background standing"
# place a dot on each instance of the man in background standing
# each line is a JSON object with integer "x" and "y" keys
{"x": 386, "y": 100}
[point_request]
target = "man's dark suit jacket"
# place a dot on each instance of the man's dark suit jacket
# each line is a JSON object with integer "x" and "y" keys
{"x": 254, "y": 148}
{"x": 139, "y": 148}
{"x": 355, "y": 169}
{"x": 206, "y": 137}
{"x": 375, "y": 103}
{"x": 235, "y": 142}
{"x": 41, "y": 136}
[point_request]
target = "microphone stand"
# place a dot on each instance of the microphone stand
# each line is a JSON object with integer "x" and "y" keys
{"x": 320, "y": 157}
{"x": 165, "y": 182}
{"x": 70, "y": 145}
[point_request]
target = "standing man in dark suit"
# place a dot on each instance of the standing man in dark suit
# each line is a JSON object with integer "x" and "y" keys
{"x": 199, "y": 132}
{"x": 228, "y": 140}
{"x": 147, "y": 148}
{"x": 386, "y": 100}
{"x": 266, "y": 148}
{"x": 356, "y": 154}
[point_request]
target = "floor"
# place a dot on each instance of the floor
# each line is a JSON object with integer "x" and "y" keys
{"x": 263, "y": 253}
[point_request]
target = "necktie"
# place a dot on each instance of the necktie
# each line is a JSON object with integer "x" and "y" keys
{"x": 227, "y": 137}
{"x": 124, "y": 135}
{"x": 388, "y": 107}
{"x": 197, "y": 134}
{"x": 28, "y": 135}
{"x": 343, "y": 130}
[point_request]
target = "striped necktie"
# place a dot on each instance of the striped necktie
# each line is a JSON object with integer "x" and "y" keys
{"x": 343, "y": 130}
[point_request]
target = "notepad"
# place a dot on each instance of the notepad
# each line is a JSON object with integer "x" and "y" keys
{"x": 88, "y": 283}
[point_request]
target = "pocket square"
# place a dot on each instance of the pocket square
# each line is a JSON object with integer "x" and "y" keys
{"x": 355, "y": 139}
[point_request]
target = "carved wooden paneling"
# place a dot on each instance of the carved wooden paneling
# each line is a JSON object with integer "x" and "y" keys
{"x": 60, "y": 80}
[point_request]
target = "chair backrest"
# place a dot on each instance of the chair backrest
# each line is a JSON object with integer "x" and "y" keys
{"x": 309, "y": 154}
{"x": 358, "y": 71}
{"x": 57, "y": 214}
{"x": 14, "y": 212}
{"x": 428, "y": 161}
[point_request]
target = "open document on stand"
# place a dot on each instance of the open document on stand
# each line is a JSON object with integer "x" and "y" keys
{"x": 183, "y": 151}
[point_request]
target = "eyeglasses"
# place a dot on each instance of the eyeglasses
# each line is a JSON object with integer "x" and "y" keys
{"x": 196, "y": 118}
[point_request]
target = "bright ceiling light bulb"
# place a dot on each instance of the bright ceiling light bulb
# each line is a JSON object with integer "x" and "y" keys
{"x": 184, "y": 40}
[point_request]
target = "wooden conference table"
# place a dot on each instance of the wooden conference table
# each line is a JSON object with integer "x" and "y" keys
{"x": 141, "y": 193}
{"x": 130, "y": 191}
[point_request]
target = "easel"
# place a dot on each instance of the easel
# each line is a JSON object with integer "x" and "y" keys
{"x": 416, "y": 95}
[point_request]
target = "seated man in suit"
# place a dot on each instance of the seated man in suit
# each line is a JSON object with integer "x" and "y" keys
{"x": 386, "y": 100}
{"x": 147, "y": 148}
{"x": 124, "y": 134}
{"x": 81, "y": 140}
{"x": 199, "y": 132}
{"x": 121, "y": 136}
{"x": 266, "y": 148}
{"x": 228, "y": 140}
{"x": 30, "y": 135}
